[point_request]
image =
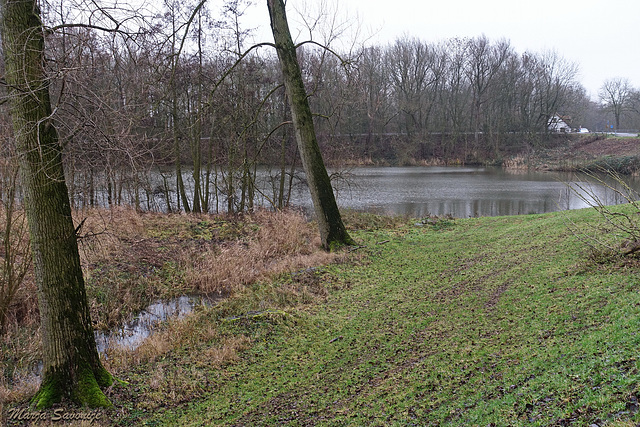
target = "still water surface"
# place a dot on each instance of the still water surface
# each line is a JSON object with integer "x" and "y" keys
{"x": 134, "y": 332}
{"x": 461, "y": 191}
{"x": 414, "y": 191}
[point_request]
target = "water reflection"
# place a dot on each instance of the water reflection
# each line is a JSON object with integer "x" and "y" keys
{"x": 133, "y": 333}
{"x": 465, "y": 191}
{"x": 419, "y": 191}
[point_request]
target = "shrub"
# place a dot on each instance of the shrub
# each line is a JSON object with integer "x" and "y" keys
{"x": 618, "y": 231}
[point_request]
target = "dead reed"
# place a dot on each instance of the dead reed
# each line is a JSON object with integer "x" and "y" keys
{"x": 283, "y": 242}
{"x": 516, "y": 163}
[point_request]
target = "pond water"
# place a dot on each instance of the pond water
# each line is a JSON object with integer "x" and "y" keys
{"x": 414, "y": 191}
{"x": 133, "y": 333}
{"x": 463, "y": 191}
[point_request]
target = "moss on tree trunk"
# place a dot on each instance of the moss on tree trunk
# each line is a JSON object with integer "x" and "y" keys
{"x": 72, "y": 368}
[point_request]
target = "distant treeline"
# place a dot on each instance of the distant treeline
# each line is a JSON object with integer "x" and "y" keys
{"x": 173, "y": 98}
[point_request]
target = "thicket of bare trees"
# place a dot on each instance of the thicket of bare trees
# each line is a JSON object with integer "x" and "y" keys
{"x": 170, "y": 119}
{"x": 464, "y": 99}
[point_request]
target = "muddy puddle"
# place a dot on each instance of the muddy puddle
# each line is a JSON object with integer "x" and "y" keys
{"x": 133, "y": 333}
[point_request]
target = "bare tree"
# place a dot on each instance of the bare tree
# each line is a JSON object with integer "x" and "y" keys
{"x": 332, "y": 231}
{"x": 616, "y": 95}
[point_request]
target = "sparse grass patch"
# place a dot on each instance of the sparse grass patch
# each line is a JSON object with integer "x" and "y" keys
{"x": 358, "y": 221}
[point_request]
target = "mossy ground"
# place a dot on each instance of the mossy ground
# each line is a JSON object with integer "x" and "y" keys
{"x": 487, "y": 321}
{"x": 482, "y": 321}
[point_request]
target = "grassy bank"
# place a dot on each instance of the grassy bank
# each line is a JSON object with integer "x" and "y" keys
{"x": 481, "y": 321}
{"x": 490, "y": 321}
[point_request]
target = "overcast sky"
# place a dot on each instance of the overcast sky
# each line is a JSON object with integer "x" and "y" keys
{"x": 601, "y": 36}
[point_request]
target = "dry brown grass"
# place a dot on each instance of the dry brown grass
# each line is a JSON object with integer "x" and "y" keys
{"x": 176, "y": 384}
{"x": 20, "y": 349}
{"x": 227, "y": 350}
{"x": 164, "y": 382}
{"x": 175, "y": 333}
{"x": 215, "y": 253}
{"x": 130, "y": 258}
{"x": 516, "y": 163}
{"x": 284, "y": 242}
{"x": 22, "y": 386}
{"x": 211, "y": 253}
{"x": 167, "y": 382}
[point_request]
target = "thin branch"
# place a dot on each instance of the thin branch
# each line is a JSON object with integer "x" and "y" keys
{"x": 327, "y": 48}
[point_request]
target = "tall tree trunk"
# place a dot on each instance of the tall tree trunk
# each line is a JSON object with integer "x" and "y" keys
{"x": 72, "y": 368}
{"x": 181, "y": 195}
{"x": 332, "y": 231}
{"x": 196, "y": 138}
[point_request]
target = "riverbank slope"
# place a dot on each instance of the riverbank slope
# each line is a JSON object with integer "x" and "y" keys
{"x": 621, "y": 154}
{"x": 560, "y": 152}
{"x": 439, "y": 321}
{"x": 479, "y": 321}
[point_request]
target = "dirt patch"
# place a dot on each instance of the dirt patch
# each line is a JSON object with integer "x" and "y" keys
{"x": 615, "y": 147}
{"x": 495, "y": 296}
{"x": 579, "y": 152}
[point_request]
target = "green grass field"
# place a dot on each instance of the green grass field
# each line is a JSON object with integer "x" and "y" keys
{"x": 506, "y": 321}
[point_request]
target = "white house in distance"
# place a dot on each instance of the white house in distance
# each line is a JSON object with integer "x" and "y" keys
{"x": 559, "y": 124}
